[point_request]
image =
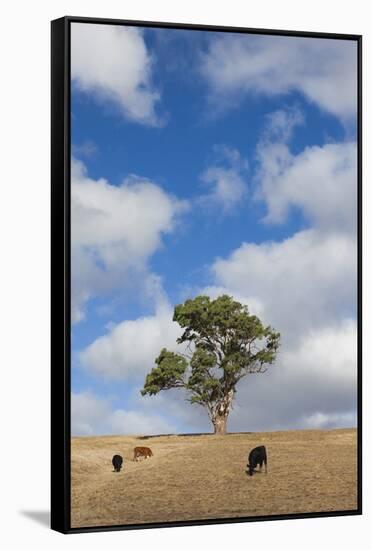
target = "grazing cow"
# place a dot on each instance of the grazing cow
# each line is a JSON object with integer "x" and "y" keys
{"x": 257, "y": 456}
{"x": 143, "y": 452}
{"x": 117, "y": 461}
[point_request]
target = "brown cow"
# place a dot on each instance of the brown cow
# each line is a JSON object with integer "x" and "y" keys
{"x": 143, "y": 452}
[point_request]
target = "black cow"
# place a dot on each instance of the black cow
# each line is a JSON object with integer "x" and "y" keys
{"x": 117, "y": 461}
{"x": 256, "y": 456}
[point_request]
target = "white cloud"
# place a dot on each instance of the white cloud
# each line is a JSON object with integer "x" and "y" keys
{"x": 328, "y": 354}
{"x": 112, "y": 63}
{"x": 276, "y": 65}
{"x": 321, "y": 181}
{"x": 186, "y": 417}
{"x": 137, "y": 422}
{"x": 326, "y": 421}
{"x": 128, "y": 217}
{"x": 88, "y": 413}
{"x": 312, "y": 385}
{"x": 93, "y": 415}
{"x": 281, "y": 123}
{"x": 302, "y": 282}
{"x": 228, "y": 188}
{"x": 114, "y": 231}
{"x": 225, "y": 180}
{"x": 130, "y": 348}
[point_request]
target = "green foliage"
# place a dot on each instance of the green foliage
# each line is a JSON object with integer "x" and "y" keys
{"x": 223, "y": 343}
{"x": 169, "y": 373}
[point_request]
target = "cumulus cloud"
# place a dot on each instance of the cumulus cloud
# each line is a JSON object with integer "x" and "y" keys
{"x": 236, "y": 65}
{"x": 225, "y": 179}
{"x": 93, "y": 415}
{"x": 129, "y": 349}
{"x": 321, "y": 181}
{"x": 114, "y": 231}
{"x": 113, "y": 64}
{"x": 103, "y": 213}
{"x": 303, "y": 281}
{"x": 327, "y": 353}
{"x": 312, "y": 385}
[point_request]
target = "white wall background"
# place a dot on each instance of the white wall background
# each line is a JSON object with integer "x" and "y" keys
{"x": 24, "y": 275}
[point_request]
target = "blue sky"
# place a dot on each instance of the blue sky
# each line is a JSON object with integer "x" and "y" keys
{"x": 215, "y": 163}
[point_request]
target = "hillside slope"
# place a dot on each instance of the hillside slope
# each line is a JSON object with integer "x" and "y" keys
{"x": 203, "y": 476}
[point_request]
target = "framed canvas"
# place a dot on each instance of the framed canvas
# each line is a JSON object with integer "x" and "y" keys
{"x": 206, "y": 274}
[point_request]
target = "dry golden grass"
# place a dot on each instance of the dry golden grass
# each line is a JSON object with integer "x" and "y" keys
{"x": 203, "y": 477}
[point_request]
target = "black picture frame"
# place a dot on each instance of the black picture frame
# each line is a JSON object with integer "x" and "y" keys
{"x": 61, "y": 272}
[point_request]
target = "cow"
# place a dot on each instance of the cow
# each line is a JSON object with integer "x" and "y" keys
{"x": 256, "y": 456}
{"x": 144, "y": 452}
{"x": 117, "y": 461}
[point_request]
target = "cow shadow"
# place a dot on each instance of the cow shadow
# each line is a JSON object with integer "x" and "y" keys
{"x": 255, "y": 472}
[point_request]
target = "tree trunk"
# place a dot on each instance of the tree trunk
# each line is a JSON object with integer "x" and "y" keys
{"x": 220, "y": 425}
{"x": 221, "y": 413}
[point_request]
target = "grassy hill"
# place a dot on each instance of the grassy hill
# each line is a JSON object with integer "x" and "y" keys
{"x": 203, "y": 476}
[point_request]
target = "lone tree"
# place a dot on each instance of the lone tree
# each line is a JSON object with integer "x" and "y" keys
{"x": 223, "y": 343}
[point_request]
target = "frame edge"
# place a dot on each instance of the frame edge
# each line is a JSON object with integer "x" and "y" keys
{"x": 60, "y": 376}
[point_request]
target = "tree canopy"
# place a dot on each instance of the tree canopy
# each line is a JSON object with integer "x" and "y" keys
{"x": 221, "y": 343}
